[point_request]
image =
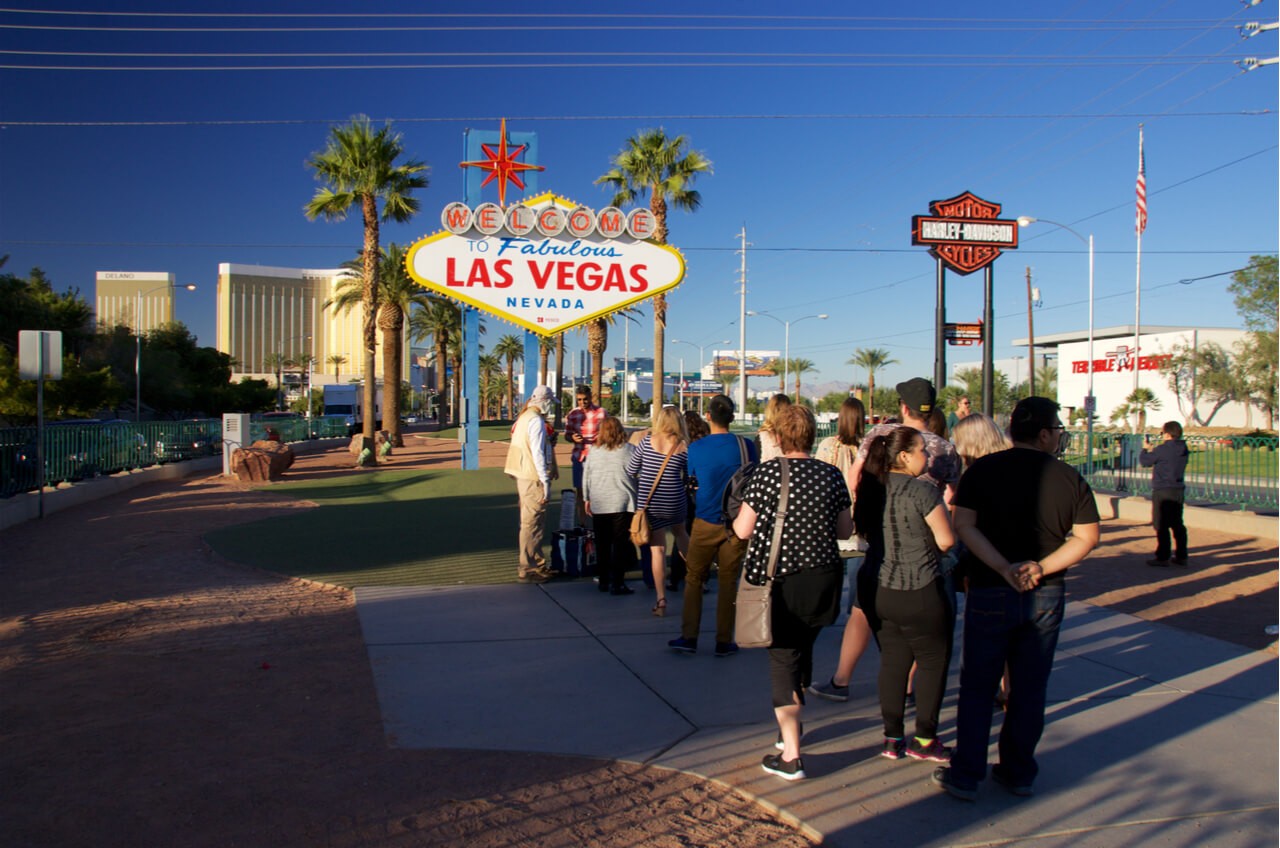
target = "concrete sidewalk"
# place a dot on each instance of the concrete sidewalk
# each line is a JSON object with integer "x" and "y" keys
{"x": 1155, "y": 735}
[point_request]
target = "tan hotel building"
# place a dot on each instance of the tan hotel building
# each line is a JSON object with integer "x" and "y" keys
{"x": 123, "y": 297}
{"x": 264, "y": 311}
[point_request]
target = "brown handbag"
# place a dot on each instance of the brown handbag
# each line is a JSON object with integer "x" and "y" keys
{"x": 753, "y": 609}
{"x": 640, "y": 532}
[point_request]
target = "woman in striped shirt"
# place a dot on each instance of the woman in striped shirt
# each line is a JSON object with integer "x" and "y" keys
{"x": 667, "y": 506}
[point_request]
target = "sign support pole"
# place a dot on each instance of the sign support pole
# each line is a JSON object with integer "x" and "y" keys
{"x": 939, "y": 331}
{"x": 988, "y": 331}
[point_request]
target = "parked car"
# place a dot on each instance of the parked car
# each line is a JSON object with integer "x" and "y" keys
{"x": 186, "y": 440}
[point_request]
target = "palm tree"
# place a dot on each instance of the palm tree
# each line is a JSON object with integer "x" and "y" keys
{"x": 1047, "y": 380}
{"x": 439, "y": 321}
{"x": 664, "y": 169}
{"x": 545, "y": 346}
{"x": 400, "y": 296}
{"x": 873, "y": 359}
{"x": 728, "y": 378}
{"x": 779, "y": 368}
{"x": 337, "y": 360}
{"x": 1138, "y": 402}
{"x": 511, "y": 347}
{"x": 275, "y": 362}
{"x": 490, "y": 367}
{"x": 597, "y": 341}
{"x": 358, "y": 168}
{"x": 800, "y": 367}
{"x": 559, "y": 378}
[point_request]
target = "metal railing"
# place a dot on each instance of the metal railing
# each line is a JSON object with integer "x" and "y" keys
{"x": 75, "y": 451}
{"x": 1236, "y": 470}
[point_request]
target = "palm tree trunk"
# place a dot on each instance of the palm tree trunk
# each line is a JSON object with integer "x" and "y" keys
{"x": 442, "y": 380}
{"x": 392, "y": 324}
{"x": 544, "y": 354}
{"x": 369, "y": 210}
{"x": 871, "y": 395}
{"x": 559, "y": 378}
{"x": 511, "y": 387}
{"x": 658, "y": 206}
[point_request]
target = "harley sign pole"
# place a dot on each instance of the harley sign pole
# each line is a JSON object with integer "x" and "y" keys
{"x": 965, "y": 233}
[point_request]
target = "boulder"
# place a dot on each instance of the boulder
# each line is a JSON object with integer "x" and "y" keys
{"x": 261, "y": 461}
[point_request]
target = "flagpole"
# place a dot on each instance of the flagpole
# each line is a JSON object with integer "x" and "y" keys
{"x": 1140, "y": 226}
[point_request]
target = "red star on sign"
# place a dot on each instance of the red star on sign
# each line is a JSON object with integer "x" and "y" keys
{"x": 502, "y": 165}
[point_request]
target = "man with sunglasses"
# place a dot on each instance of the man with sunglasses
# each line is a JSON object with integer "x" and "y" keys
{"x": 1025, "y": 517}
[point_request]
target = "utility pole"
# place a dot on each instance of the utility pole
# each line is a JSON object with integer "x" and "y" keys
{"x": 742, "y": 324}
{"x": 1031, "y": 333}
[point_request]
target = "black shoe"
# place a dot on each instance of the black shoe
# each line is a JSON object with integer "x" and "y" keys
{"x": 894, "y": 749}
{"x": 683, "y": 645}
{"x": 1158, "y": 563}
{"x": 624, "y": 589}
{"x": 774, "y": 764}
{"x": 943, "y": 780}
{"x": 1022, "y": 790}
{"x": 726, "y": 649}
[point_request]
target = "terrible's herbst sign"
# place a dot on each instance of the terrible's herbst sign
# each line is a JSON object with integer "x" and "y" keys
{"x": 965, "y": 232}
{"x": 546, "y": 264}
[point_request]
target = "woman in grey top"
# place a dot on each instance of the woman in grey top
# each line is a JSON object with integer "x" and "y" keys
{"x": 913, "y": 618}
{"x": 609, "y": 493}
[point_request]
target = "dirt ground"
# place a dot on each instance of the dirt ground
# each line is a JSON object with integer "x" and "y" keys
{"x": 155, "y": 694}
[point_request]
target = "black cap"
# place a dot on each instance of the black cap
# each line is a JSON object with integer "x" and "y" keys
{"x": 918, "y": 394}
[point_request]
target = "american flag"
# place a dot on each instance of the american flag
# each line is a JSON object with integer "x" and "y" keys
{"x": 1141, "y": 223}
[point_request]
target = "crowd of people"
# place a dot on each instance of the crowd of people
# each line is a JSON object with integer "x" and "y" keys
{"x": 935, "y": 506}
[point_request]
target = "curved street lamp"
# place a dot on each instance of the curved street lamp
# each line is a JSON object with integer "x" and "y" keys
{"x": 137, "y": 356}
{"x": 1089, "y": 401}
{"x": 786, "y": 347}
{"x": 701, "y": 360}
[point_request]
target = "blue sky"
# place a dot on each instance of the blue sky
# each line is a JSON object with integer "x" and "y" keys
{"x": 828, "y": 131}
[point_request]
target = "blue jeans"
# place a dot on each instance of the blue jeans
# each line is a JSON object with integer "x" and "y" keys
{"x": 1004, "y": 627}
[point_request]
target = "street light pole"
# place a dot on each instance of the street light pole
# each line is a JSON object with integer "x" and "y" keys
{"x": 701, "y": 362}
{"x": 1089, "y": 401}
{"x": 786, "y": 343}
{"x": 137, "y": 355}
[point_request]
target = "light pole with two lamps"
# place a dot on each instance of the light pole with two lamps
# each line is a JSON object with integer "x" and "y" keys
{"x": 137, "y": 357}
{"x": 1089, "y": 401}
{"x": 786, "y": 345}
{"x": 701, "y": 361}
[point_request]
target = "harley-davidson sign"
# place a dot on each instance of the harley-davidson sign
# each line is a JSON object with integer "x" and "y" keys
{"x": 546, "y": 264}
{"x": 964, "y": 232}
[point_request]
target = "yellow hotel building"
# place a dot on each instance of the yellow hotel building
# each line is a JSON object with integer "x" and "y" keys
{"x": 121, "y": 298}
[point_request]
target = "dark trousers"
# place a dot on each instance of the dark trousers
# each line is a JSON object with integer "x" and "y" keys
{"x": 802, "y": 604}
{"x": 915, "y": 627}
{"x": 1003, "y": 626}
{"x": 1166, "y": 517}
{"x": 614, "y": 552}
{"x": 711, "y": 543}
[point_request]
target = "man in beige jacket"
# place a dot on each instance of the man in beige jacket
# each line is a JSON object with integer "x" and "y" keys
{"x": 531, "y": 463}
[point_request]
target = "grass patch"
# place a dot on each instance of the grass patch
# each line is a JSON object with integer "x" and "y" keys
{"x": 391, "y": 528}
{"x": 500, "y": 432}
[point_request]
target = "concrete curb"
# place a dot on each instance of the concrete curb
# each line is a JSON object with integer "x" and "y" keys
{"x": 1113, "y": 505}
{"x": 25, "y": 506}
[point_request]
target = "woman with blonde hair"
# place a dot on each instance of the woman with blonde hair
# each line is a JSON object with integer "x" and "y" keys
{"x": 975, "y": 436}
{"x": 766, "y": 439}
{"x": 659, "y": 466}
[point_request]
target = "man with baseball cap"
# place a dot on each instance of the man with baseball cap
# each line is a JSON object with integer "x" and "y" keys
{"x": 531, "y": 463}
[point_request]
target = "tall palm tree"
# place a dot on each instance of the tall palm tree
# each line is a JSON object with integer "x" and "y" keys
{"x": 400, "y": 296}
{"x": 1138, "y": 402}
{"x": 598, "y": 340}
{"x": 559, "y": 379}
{"x": 358, "y": 168}
{"x": 728, "y": 378}
{"x": 490, "y": 367}
{"x": 800, "y": 367}
{"x": 873, "y": 359}
{"x": 337, "y": 360}
{"x": 510, "y": 347}
{"x": 545, "y": 346}
{"x": 664, "y": 169}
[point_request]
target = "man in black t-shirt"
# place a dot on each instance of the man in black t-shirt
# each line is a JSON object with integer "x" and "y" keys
{"x": 1025, "y": 517}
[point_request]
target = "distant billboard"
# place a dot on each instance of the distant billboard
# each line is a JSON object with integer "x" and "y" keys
{"x": 758, "y": 362}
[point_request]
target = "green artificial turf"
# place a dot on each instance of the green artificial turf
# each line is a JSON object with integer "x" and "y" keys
{"x": 488, "y": 433}
{"x": 391, "y": 528}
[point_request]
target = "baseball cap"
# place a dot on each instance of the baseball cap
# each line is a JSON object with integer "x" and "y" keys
{"x": 918, "y": 394}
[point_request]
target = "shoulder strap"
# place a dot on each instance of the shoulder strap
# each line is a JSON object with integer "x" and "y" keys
{"x": 658, "y": 479}
{"x": 775, "y": 547}
{"x": 742, "y": 450}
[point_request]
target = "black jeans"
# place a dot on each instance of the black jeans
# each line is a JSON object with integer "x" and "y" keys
{"x": 802, "y": 604}
{"x": 615, "y": 554}
{"x": 915, "y": 625}
{"x": 1166, "y": 517}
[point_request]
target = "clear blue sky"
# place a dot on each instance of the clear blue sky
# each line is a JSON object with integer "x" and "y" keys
{"x": 828, "y": 131}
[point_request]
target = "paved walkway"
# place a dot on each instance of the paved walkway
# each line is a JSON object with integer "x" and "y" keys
{"x": 1155, "y": 736}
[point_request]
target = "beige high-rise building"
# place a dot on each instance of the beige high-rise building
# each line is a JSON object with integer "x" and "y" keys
{"x": 265, "y": 312}
{"x": 139, "y": 300}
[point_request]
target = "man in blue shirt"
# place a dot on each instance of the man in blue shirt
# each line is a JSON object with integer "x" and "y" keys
{"x": 713, "y": 460}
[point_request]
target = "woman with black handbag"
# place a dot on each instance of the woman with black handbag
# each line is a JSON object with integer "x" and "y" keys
{"x": 795, "y": 551}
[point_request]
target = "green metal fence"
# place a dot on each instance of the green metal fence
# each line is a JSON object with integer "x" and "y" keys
{"x": 1236, "y": 470}
{"x": 80, "y": 450}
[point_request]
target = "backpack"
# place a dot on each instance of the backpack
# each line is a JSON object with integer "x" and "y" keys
{"x": 731, "y": 501}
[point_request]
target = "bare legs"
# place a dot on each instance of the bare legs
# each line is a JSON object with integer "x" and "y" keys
{"x": 857, "y": 635}
{"x": 658, "y": 560}
{"x": 789, "y": 724}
